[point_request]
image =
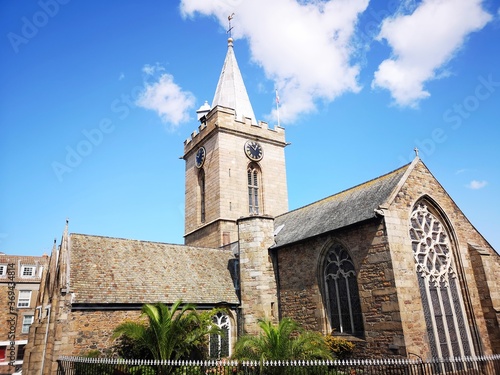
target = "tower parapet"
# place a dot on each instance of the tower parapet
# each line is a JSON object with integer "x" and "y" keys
{"x": 224, "y": 119}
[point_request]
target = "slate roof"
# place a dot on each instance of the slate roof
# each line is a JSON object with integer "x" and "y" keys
{"x": 337, "y": 211}
{"x": 108, "y": 270}
{"x": 231, "y": 91}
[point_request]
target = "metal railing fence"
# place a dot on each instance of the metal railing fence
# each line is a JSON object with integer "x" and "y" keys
{"x": 487, "y": 365}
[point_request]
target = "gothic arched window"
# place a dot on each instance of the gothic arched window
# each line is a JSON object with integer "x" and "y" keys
{"x": 439, "y": 288}
{"x": 201, "y": 184}
{"x": 219, "y": 345}
{"x": 343, "y": 304}
{"x": 253, "y": 176}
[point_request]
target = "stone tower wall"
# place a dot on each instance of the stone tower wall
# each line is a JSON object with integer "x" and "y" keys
{"x": 257, "y": 274}
{"x": 226, "y": 183}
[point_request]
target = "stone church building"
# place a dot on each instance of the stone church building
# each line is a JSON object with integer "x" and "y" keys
{"x": 391, "y": 264}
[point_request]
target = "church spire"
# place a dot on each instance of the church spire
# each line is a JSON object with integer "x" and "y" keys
{"x": 231, "y": 91}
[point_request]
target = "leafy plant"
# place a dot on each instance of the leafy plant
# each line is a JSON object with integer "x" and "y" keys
{"x": 166, "y": 333}
{"x": 285, "y": 341}
{"x": 340, "y": 347}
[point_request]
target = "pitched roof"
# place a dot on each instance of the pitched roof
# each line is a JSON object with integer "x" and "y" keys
{"x": 337, "y": 211}
{"x": 231, "y": 91}
{"x": 108, "y": 270}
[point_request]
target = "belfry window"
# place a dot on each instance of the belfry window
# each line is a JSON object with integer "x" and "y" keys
{"x": 201, "y": 183}
{"x": 441, "y": 298}
{"x": 342, "y": 296}
{"x": 253, "y": 190}
{"x": 219, "y": 345}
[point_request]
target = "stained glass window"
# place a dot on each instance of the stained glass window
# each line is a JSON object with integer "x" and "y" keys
{"x": 344, "y": 307}
{"x": 439, "y": 289}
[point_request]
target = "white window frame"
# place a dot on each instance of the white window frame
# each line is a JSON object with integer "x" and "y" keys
{"x": 3, "y": 269}
{"x": 26, "y": 267}
{"x": 24, "y": 302}
{"x": 7, "y": 345}
{"x": 222, "y": 321}
{"x": 27, "y": 322}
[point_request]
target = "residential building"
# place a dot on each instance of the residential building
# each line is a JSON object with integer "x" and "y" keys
{"x": 19, "y": 286}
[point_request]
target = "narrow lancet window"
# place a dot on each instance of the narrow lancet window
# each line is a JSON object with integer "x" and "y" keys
{"x": 253, "y": 190}
{"x": 201, "y": 182}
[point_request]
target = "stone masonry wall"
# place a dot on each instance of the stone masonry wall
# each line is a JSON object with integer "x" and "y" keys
{"x": 226, "y": 179}
{"x": 421, "y": 184}
{"x": 93, "y": 329}
{"x": 301, "y": 283}
{"x": 486, "y": 268}
{"x": 257, "y": 275}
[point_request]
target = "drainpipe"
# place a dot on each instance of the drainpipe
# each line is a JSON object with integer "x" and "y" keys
{"x": 46, "y": 336}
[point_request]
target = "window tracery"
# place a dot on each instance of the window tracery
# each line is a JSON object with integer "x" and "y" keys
{"x": 442, "y": 302}
{"x": 344, "y": 307}
{"x": 219, "y": 345}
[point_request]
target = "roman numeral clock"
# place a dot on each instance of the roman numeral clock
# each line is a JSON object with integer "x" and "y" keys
{"x": 253, "y": 150}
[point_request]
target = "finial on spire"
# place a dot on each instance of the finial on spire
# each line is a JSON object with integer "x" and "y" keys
{"x": 229, "y": 18}
{"x": 416, "y": 151}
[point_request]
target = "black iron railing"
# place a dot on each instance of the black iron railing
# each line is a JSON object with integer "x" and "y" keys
{"x": 487, "y": 365}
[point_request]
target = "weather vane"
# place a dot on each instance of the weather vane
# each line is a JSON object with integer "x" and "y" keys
{"x": 229, "y": 18}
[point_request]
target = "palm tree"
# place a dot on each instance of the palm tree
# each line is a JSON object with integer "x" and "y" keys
{"x": 168, "y": 333}
{"x": 285, "y": 341}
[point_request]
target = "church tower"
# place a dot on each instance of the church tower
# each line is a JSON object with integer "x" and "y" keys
{"x": 235, "y": 166}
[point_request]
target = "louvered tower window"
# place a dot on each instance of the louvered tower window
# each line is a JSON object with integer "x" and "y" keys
{"x": 343, "y": 302}
{"x": 253, "y": 190}
{"x": 219, "y": 345}
{"x": 201, "y": 183}
{"x": 442, "y": 301}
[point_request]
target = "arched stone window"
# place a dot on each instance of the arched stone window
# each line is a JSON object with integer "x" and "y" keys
{"x": 442, "y": 301}
{"x": 253, "y": 179}
{"x": 220, "y": 345}
{"x": 342, "y": 295}
{"x": 201, "y": 185}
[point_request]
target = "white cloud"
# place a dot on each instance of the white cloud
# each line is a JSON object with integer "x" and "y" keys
{"x": 165, "y": 97}
{"x": 422, "y": 43}
{"x": 475, "y": 185}
{"x": 150, "y": 70}
{"x": 304, "y": 47}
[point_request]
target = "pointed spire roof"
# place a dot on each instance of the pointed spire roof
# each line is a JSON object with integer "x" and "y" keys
{"x": 231, "y": 91}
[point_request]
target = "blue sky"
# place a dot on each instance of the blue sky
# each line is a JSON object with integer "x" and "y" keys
{"x": 97, "y": 98}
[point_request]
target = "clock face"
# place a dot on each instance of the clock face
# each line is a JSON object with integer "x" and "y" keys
{"x": 200, "y": 157}
{"x": 254, "y": 150}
